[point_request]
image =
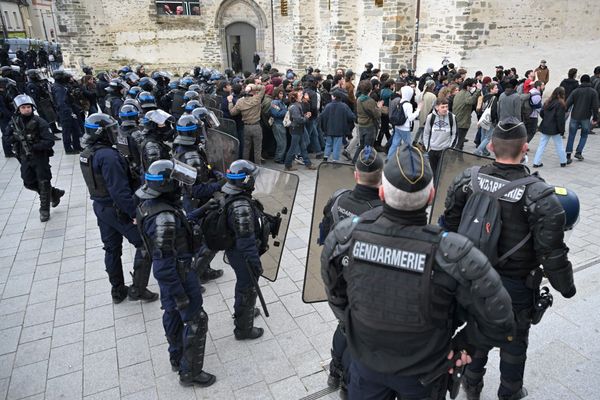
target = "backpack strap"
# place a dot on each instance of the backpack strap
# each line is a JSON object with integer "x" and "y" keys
{"x": 338, "y": 195}
{"x": 510, "y": 186}
{"x": 474, "y": 182}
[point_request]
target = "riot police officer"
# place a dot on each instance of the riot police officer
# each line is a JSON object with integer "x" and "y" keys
{"x": 346, "y": 203}
{"x": 396, "y": 283}
{"x": 531, "y": 233}
{"x": 37, "y": 88}
{"x": 8, "y": 91}
{"x": 174, "y": 100}
{"x": 168, "y": 237}
{"x": 33, "y": 144}
{"x": 243, "y": 220}
{"x": 158, "y": 130}
{"x": 67, "y": 112}
{"x": 162, "y": 85}
{"x": 186, "y": 150}
{"x": 129, "y": 138}
{"x": 110, "y": 185}
{"x": 102, "y": 83}
{"x": 114, "y": 98}
{"x": 147, "y": 102}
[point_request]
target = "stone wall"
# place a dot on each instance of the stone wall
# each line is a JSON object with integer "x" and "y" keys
{"x": 330, "y": 33}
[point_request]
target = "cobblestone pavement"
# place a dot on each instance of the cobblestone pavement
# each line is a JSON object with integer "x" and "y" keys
{"x": 62, "y": 338}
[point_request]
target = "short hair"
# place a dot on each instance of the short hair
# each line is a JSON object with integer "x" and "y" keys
{"x": 293, "y": 96}
{"x": 573, "y": 72}
{"x": 236, "y": 88}
{"x": 597, "y": 70}
{"x": 440, "y": 101}
{"x": 388, "y": 83}
{"x": 384, "y": 77}
{"x": 585, "y": 78}
{"x": 401, "y": 200}
{"x": 369, "y": 178}
{"x": 529, "y": 71}
{"x": 404, "y": 71}
{"x": 478, "y": 73}
{"x": 508, "y": 148}
{"x": 451, "y": 66}
{"x": 491, "y": 85}
{"x": 376, "y": 71}
{"x": 364, "y": 86}
{"x": 538, "y": 84}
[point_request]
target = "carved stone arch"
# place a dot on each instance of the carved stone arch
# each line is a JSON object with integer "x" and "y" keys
{"x": 245, "y": 11}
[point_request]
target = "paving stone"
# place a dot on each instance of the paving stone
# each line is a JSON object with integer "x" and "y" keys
{"x": 102, "y": 339}
{"x": 9, "y": 339}
{"x": 290, "y": 388}
{"x": 18, "y": 285}
{"x": 14, "y": 304}
{"x": 39, "y": 313}
{"x": 6, "y": 365}
{"x": 258, "y": 391}
{"x": 28, "y": 380}
{"x": 12, "y": 320}
{"x": 69, "y": 315}
{"x": 168, "y": 388}
{"x": 32, "y": 352}
{"x": 65, "y": 359}
{"x": 132, "y": 350}
{"x": 147, "y": 394}
{"x": 98, "y": 318}
{"x": 136, "y": 378}
{"x": 111, "y": 394}
{"x": 65, "y": 387}
{"x": 43, "y": 290}
{"x": 36, "y": 332}
{"x": 100, "y": 371}
{"x": 131, "y": 325}
{"x": 67, "y": 334}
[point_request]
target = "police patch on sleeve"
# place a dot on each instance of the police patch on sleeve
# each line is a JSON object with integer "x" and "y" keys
{"x": 389, "y": 257}
{"x": 491, "y": 184}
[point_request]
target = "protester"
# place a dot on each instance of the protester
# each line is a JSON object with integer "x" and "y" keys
{"x": 552, "y": 127}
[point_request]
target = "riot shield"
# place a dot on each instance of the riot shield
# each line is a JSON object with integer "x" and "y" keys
{"x": 453, "y": 163}
{"x": 218, "y": 99}
{"x": 221, "y": 149}
{"x": 276, "y": 190}
{"x": 228, "y": 126}
{"x": 217, "y": 112}
{"x": 330, "y": 178}
{"x": 209, "y": 102}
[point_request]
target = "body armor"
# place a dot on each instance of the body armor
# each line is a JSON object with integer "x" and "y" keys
{"x": 93, "y": 179}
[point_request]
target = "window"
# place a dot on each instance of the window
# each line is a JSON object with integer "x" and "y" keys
{"x": 6, "y": 20}
{"x": 16, "y": 20}
{"x": 184, "y": 7}
{"x": 284, "y": 8}
{"x": 378, "y": 3}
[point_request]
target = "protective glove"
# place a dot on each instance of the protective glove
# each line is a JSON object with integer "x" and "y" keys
{"x": 200, "y": 212}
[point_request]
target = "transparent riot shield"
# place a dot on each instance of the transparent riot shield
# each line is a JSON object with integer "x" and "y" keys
{"x": 221, "y": 149}
{"x": 452, "y": 164}
{"x": 276, "y": 190}
{"x": 228, "y": 126}
{"x": 331, "y": 177}
{"x": 217, "y": 112}
{"x": 218, "y": 99}
{"x": 209, "y": 102}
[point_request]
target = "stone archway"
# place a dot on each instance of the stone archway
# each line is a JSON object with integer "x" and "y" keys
{"x": 244, "y": 11}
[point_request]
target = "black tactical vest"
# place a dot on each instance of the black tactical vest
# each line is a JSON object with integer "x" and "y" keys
{"x": 185, "y": 241}
{"x": 178, "y": 103}
{"x": 346, "y": 206}
{"x": 165, "y": 152}
{"x": 127, "y": 146}
{"x": 389, "y": 277}
{"x": 93, "y": 179}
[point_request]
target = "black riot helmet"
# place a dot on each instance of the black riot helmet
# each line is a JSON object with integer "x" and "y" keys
{"x": 103, "y": 76}
{"x": 164, "y": 176}
{"x": 6, "y": 71}
{"x": 132, "y": 78}
{"x": 240, "y": 177}
{"x": 191, "y": 105}
{"x": 129, "y": 115}
{"x": 100, "y": 128}
{"x": 61, "y": 76}
{"x": 147, "y": 101}
{"x": 124, "y": 70}
{"x": 161, "y": 77}
{"x": 187, "y": 130}
{"x": 117, "y": 85}
{"x": 191, "y": 95}
{"x": 185, "y": 82}
{"x": 23, "y": 100}
{"x": 34, "y": 75}
{"x": 570, "y": 202}
{"x": 147, "y": 84}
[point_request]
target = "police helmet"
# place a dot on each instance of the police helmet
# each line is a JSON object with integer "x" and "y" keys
{"x": 124, "y": 70}
{"x": 185, "y": 82}
{"x": 190, "y": 95}
{"x": 117, "y": 84}
{"x": 206, "y": 73}
{"x": 134, "y": 103}
{"x": 60, "y": 76}
{"x": 191, "y": 105}
{"x": 240, "y": 177}
{"x": 88, "y": 70}
{"x": 349, "y": 73}
{"x": 229, "y": 72}
{"x": 6, "y": 71}
{"x": 103, "y": 76}
{"x": 173, "y": 84}
{"x": 369, "y": 66}
{"x": 570, "y": 202}
{"x": 34, "y": 75}
{"x": 129, "y": 115}
{"x": 215, "y": 76}
{"x": 196, "y": 88}
{"x": 132, "y": 78}
{"x": 134, "y": 91}
{"x": 161, "y": 76}
{"x": 267, "y": 67}
{"x": 160, "y": 122}
{"x": 100, "y": 128}
{"x": 206, "y": 116}
{"x": 187, "y": 130}
{"x": 146, "y": 83}
{"x": 164, "y": 176}
{"x": 23, "y": 100}
{"x": 147, "y": 101}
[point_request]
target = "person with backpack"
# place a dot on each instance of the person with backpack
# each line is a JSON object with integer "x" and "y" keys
{"x": 401, "y": 118}
{"x": 584, "y": 101}
{"x": 439, "y": 133}
{"x": 463, "y": 105}
{"x": 489, "y": 118}
{"x": 368, "y": 116}
{"x": 336, "y": 122}
{"x": 394, "y": 283}
{"x": 346, "y": 203}
{"x": 278, "y": 110}
{"x": 428, "y": 98}
{"x": 517, "y": 220}
{"x": 552, "y": 127}
{"x": 296, "y": 118}
{"x": 532, "y": 104}
{"x": 168, "y": 237}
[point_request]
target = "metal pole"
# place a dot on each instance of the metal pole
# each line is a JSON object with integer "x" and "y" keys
{"x": 416, "y": 44}
{"x": 272, "y": 32}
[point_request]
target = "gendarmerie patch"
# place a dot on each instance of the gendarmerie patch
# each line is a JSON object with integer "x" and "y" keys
{"x": 491, "y": 184}
{"x": 389, "y": 257}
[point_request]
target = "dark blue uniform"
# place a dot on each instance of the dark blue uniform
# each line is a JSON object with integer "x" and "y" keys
{"x": 71, "y": 130}
{"x": 6, "y": 112}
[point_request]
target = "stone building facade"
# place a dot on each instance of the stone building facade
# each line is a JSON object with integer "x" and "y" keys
{"x": 332, "y": 33}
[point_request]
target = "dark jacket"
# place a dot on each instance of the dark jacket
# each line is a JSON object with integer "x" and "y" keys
{"x": 298, "y": 119}
{"x": 336, "y": 119}
{"x": 584, "y": 100}
{"x": 553, "y": 119}
{"x": 569, "y": 85}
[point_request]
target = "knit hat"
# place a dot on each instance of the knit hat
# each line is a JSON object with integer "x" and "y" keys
{"x": 486, "y": 80}
{"x": 369, "y": 160}
{"x": 408, "y": 170}
{"x": 510, "y": 128}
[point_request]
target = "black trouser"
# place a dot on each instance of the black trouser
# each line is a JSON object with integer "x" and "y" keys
{"x": 6, "y": 146}
{"x": 35, "y": 170}
{"x": 460, "y": 138}
{"x": 514, "y": 354}
{"x": 531, "y": 125}
{"x": 71, "y": 132}
{"x": 434, "y": 160}
{"x": 384, "y": 130}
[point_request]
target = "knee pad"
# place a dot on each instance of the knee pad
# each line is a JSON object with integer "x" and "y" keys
{"x": 198, "y": 324}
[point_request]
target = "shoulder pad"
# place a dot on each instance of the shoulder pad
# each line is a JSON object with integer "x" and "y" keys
{"x": 165, "y": 217}
{"x": 343, "y": 230}
{"x": 538, "y": 190}
{"x": 339, "y": 192}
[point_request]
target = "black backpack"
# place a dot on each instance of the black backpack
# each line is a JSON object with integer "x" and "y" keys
{"x": 215, "y": 228}
{"x": 481, "y": 219}
{"x": 397, "y": 114}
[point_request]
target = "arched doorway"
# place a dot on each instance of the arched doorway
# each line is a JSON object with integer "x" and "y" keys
{"x": 241, "y": 46}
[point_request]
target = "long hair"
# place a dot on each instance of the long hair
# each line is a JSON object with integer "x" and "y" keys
{"x": 559, "y": 95}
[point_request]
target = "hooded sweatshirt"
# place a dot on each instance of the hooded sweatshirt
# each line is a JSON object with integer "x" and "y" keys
{"x": 407, "y": 95}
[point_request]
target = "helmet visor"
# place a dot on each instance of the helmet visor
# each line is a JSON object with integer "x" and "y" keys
{"x": 183, "y": 173}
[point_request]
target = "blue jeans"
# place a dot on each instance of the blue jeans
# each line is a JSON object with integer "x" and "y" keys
{"x": 314, "y": 142}
{"x": 399, "y": 137}
{"x": 333, "y": 144}
{"x": 280, "y": 138}
{"x": 485, "y": 138}
{"x": 558, "y": 146}
{"x": 575, "y": 124}
{"x": 297, "y": 146}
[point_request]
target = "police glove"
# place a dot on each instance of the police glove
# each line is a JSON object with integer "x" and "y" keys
{"x": 182, "y": 301}
{"x": 200, "y": 212}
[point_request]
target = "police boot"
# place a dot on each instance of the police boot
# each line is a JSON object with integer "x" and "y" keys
{"x": 336, "y": 371}
{"x": 515, "y": 396}
{"x": 56, "y": 194}
{"x": 473, "y": 390}
{"x": 210, "y": 274}
{"x": 343, "y": 390}
{"x": 194, "y": 344}
{"x": 138, "y": 290}
{"x": 44, "y": 187}
{"x": 244, "y": 317}
{"x": 119, "y": 293}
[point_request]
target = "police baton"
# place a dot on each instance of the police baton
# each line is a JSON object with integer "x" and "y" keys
{"x": 256, "y": 286}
